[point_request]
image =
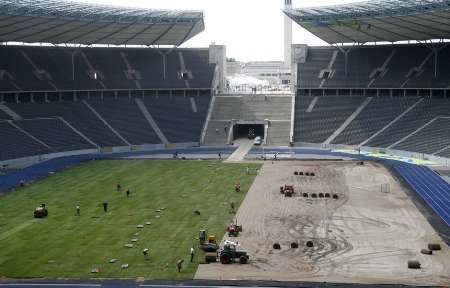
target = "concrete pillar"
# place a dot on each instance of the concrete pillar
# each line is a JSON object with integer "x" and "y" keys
{"x": 298, "y": 57}
{"x": 46, "y": 97}
{"x": 218, "y": 56}
{"x": 115, "y": 95}
{"x": 287, "y": 35}
{"x": 31, "y": 97}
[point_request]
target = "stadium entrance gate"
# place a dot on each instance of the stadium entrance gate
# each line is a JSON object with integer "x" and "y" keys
{"x": 242, "y": 128}
{"x": 248, "y": 131}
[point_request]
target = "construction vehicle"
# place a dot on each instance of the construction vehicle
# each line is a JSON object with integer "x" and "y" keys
{"x": 41, "y": 212}
{"x": 287, "y": 190}
{"x": 207, "y": 243}
{"x": 233, "y": 229}
{"x": 231, "y": 254}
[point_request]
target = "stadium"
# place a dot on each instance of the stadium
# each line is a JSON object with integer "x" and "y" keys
{"x": 129, "y": 161}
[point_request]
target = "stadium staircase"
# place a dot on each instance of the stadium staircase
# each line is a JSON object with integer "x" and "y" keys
{"x": 276, "y": 108}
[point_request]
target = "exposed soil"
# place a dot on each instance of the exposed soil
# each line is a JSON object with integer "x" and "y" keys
{"x": 364, "y": 236}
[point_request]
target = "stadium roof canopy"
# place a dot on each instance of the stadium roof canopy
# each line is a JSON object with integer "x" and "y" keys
{"x": 64, "y": 22}
{"x": 377, "y": 21}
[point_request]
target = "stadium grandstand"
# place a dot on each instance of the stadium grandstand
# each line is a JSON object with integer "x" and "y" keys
{"x": 383, "y": 82}
{"x": 101, "y": 77}
{"x": 128, "y": 160}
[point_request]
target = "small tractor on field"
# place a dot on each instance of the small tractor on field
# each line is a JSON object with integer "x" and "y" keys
{"x": 231, "y": 254}
{"x": 207, "y": 245}
{"x": 41, "y": 212}
{"x": 287, "y": 190}
{"x": 233, "y": 229}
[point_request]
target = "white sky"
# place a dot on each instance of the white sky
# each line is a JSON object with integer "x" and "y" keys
{"x": 251, "y": 29}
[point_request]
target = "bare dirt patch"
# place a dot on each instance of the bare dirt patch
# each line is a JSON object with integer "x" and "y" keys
{"x": 363, "y": 236}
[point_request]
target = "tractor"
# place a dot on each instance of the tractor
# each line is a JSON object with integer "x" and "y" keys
{"x": 207, "y": 245}
{"x": 230, "y": 254}
{"x": 233, "y": 229}
{"x": 287, "y": 190}
{"x": 41, "y": 212}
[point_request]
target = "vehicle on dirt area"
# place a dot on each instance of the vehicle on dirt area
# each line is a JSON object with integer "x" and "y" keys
{"x": 233, "y": 230}
{"x": 257, "y": 141}
{"x": 287, "y": 190}
{"x": 230, "y": 254}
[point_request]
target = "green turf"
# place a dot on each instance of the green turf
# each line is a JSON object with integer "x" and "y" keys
{"x": 65, "y": 245}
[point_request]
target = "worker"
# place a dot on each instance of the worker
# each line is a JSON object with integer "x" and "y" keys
{"x": 119, "y": 187}
{"x": 179, "y": 263}
{"x": 220, "y": 156}
{"x": 247, "y": 170}
{"x": 217, "y": 130}
{"x": 225, "y": 128}
{"x": 237, "y": 187}
{"x": 78, "y": 210}
{"x": 146, "y": 254}
{"x": 192, "y": 254}
{"x": 128, "y": 193}
{"x": 232, "y": 207}
{"x": 105, "y": 206}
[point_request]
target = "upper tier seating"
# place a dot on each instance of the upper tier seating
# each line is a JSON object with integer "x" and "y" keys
{"x": 383, "y": 66}
{"x": 25, "y": 68}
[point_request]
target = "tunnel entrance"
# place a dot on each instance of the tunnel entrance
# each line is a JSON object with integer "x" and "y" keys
{"x": 249, "y": 131}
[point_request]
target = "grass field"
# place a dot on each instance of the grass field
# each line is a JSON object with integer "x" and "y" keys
{"x": 65, "y": 245}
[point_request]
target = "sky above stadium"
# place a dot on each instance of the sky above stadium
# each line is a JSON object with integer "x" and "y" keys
{"x": 251, "y": 29}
